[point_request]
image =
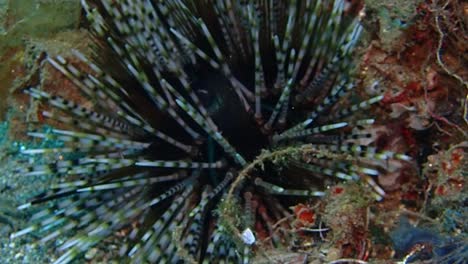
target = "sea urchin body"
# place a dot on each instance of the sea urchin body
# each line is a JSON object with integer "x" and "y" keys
{"x": 188, "y": 94}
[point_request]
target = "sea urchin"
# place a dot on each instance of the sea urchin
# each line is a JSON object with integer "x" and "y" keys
{"x": 197, "y": 102}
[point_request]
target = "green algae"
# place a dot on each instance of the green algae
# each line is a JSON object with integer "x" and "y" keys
{"x": 390, "y": 18}
{"x": 36, "y": 18}
{"x": 21, "y": 20}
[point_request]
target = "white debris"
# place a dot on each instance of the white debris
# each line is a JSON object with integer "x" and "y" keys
{"x": 248, "y": 237}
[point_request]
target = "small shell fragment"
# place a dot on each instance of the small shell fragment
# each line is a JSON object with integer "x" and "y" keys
{"x": 248, "y": 237}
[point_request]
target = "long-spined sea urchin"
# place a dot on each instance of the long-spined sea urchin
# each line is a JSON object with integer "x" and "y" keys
{"x": 192, "y": 93}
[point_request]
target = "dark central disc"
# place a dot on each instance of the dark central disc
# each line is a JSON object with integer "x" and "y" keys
{"x": 224, "y": 106}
